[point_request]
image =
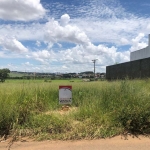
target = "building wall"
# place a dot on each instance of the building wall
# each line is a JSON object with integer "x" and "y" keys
{"x": 133, "y": 69}
{"x": 141, "y": 54}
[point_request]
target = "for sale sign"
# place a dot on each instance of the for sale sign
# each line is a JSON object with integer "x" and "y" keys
{"x": 65, "y": 94}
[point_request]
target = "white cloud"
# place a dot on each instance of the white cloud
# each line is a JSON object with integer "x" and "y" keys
{"x": 124, "y": 41}
{"x": 114, "y": 29}
{"x": 21, "y": 10}
{"x": 138, "y": 38}
{"x": 12, "y": 44}
{"x": 44, "y": 54}
{"x": 38, "y": 43}
{"x": 81, "y": 54}
{"x": 64, "y": 20}
{"x": 95, "y": 34}
{"x": 64, "y": 67}
{"x": 87, "y": 9}
{"x": 137, "y": 44}
{"x": 22, "y": 32}
{"x": 117, "y": 31}
{"x": 79, "y": 57}
{"x": 27, "y": 64}
{"x": 54, "y": 32}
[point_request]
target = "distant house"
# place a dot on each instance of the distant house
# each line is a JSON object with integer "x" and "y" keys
{"x": 102, "y": 75}
{"x": 80, "y": 76}
{"x": 86, "y": 74}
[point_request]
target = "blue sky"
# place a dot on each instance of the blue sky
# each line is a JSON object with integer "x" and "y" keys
{"x": 65, "y": 36}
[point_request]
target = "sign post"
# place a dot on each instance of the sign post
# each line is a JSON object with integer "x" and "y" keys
{"x": 65, "y": 94}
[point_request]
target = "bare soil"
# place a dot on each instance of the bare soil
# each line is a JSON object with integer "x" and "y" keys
{"x": 119, "y": 142}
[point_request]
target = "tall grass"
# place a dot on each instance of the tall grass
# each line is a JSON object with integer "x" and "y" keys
{"x": 99, "y": 109}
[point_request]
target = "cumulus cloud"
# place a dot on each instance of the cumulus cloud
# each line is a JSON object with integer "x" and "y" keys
{"x": 117, "y": 31}
{"x": 138, "y": 38}
{"x": 90, "y": 34}
{"x": 41, "y": 54}
{"x": 85, "y": 50}
{"x": 124, "y": 41}
{"x": 21, "y": 10}
{"x": 79, "y": 58}
{"x": 137, "y": 44}
{"x": 81, "y": 54}
{"x": 12, "y": 44}
{"x": 64, "y": 20}
{"x": 54, "y": 32}
{"x": 105, "y": 55}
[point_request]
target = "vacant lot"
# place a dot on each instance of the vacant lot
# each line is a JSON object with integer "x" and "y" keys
{"x": 30, "y": 108}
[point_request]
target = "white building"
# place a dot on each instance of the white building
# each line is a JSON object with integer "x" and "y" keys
{"x": 142, "y": 53}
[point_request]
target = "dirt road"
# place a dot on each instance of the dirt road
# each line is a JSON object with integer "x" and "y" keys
{"x": 116, "y": 143}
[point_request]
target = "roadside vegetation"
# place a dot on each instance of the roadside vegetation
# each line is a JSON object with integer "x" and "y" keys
{"x": 100, "y": 109}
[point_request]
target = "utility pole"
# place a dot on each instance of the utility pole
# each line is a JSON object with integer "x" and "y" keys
{"x": 94, "y": 61}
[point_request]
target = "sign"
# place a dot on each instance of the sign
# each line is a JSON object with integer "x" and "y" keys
{"x": 65, "y": 94}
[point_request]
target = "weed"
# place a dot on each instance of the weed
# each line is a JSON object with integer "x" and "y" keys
{"x": 103, "y": 109}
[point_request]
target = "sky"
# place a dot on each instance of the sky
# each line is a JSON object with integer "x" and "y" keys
{"x": 66, "y": 35}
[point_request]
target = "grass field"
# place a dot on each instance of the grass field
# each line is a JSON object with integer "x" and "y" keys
{"x": 16, "y": 74}
{"x": 99, "y": 109}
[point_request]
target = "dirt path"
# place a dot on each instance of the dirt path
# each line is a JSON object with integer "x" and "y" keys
{"x": 141, "y": 143}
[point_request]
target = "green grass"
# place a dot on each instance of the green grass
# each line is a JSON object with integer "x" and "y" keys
{"x": 99, "y": 109}
{"x": 16, "y": 74}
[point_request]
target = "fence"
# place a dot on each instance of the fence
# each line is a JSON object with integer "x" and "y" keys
{"x": 133, "y": 69}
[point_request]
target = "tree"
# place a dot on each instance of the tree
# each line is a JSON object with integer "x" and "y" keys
{"x": 4, "y": 74}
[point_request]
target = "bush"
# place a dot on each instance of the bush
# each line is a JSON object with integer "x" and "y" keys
{"x": 135, "y": 121}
